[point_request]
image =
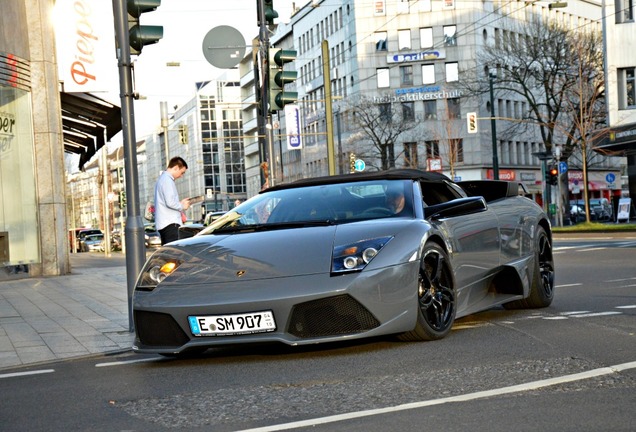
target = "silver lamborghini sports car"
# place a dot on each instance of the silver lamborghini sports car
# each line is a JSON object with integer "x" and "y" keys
{"x": 401, "y": 252}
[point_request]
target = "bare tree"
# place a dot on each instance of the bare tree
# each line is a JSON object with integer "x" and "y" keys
{"x": 377, "y": 128}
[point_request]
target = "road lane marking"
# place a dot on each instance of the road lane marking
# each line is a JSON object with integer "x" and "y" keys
{"x": 127, "y": 362}
{"x": 626, "y": 307}
{"x": 596, "y": 314}
{"x": 594, "y": 373}
{"x": 568, "y": 285}
{"x": 21, "y": 374}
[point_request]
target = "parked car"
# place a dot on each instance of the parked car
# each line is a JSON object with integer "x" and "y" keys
{"x": 152, "y": 238}
{"x": 333, "y": 259}
{"x": 92, "y": 243}
{"x": 79, "y": 234}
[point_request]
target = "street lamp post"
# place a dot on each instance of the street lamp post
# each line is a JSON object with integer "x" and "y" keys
{"x": 493, "y": 127}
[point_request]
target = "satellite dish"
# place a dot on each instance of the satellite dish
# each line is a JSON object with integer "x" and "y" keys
{"x": 224, "y": 47}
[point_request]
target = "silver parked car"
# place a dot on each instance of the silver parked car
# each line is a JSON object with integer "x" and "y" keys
{"x": 401, "y": 252}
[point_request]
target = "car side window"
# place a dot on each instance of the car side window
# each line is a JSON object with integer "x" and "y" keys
{"x": 437, "y": 192}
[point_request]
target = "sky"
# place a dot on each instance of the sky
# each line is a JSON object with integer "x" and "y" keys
{"x": 185, "y": 24}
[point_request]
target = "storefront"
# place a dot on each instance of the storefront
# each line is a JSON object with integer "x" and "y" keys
{"x": 19, "y": 231}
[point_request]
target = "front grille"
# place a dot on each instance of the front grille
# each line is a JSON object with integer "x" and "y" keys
{"x": 158, "y": 330}
{"x": 329, "y": 317}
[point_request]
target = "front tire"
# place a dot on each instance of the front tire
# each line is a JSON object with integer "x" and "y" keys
{"x": 436, "y": 297}
{"x": 542, "y": 289}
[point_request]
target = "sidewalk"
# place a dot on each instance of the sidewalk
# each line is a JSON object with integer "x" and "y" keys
{"x": 59, "y": 317}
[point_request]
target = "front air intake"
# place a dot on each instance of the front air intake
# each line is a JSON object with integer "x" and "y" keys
{"x": 330, "y": 317}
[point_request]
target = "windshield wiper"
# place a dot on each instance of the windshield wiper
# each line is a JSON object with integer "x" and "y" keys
{"x": 273, "y": 226}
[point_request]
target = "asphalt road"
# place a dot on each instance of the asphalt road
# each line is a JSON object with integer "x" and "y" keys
{"x": 569, "y": 367}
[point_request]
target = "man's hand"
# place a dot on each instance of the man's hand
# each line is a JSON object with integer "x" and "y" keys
{"x": 185, "y": 203}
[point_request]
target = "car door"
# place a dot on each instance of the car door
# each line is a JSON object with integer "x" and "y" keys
{"x": 474, "y": 244}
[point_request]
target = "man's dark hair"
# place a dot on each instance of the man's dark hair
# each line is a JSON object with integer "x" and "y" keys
{"x": 177, "y": 161}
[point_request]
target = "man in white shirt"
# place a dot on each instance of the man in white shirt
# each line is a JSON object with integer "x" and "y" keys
{"x": 168, "y": 207}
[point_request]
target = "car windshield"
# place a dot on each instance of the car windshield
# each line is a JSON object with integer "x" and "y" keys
{"x": 320, "y": 205}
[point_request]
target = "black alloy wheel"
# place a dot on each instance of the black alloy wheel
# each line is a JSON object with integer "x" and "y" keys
{"x": 436, "y": 296}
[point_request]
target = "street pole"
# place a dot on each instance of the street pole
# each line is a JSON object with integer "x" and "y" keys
{"x": 163, "y": 110}
{"x": 493, "y": 127}
{"x": 559, "y": 203}
{"x": 262, "y": 89}
{"x": 136, "y": 250}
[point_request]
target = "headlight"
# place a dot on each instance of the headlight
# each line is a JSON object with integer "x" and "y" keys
{"x": 155, "y": 271}
{"x": 356, "y": 256}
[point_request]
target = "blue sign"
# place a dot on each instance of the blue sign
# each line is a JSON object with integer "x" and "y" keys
{"x": 359, "y": 165}
{"x": 563, "y": 167}
{"x": 610, "y": 178}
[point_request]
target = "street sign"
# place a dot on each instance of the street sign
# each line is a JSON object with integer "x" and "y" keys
{"x": 563, "y": 167}
{"x": 359, "y": 165}
{"x": 610, "y": 177}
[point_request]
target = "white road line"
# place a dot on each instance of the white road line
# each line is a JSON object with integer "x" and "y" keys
{"x": 460, "y": 398}
{"x": 596, "y": 314}
{"x": 592, "y": 249}
{"x": 568, "y": 285}
{"x": 575, "y": 312}
{"x": 120, "y": 363}
{"x": 621, "y": 280}
{"x": 20, "y": 374}
{"x": 626, "y": 307}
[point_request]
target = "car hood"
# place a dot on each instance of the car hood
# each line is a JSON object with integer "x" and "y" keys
{"x": 262, "y": 255}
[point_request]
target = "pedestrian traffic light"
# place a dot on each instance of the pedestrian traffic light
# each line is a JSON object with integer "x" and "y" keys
{"x": 553, "y": 175}
{"x": 471, "y": 121}
{"x": 278, "y": 97}
{"x": 270, "y": 13}
{"x": 141, "y": 35}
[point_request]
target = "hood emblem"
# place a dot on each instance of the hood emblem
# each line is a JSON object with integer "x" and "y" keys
{"x": 240, "y": 273}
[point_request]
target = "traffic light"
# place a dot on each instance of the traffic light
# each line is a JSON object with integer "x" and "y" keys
{"x": 141, "y": 35}
{"x": 278, "y": 97}
{"x": 553, "y": 175}
{"x": 471, "y": 121}
{"x": 183, "y": 134}
{"x": 270, "y": 13}
{"x": 122, "y": 199}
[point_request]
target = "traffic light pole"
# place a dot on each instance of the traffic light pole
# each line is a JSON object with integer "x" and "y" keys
{"x": 265, "y": 133}
{"x": 134, "y": 233}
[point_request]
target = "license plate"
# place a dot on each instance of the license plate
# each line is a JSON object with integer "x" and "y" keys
{"x": 225, "y": 325}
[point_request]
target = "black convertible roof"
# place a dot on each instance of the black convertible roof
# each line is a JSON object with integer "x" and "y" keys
{"x": 395, "y": 174}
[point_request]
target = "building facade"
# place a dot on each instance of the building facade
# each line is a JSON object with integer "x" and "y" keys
{"x": 413, "y": 56}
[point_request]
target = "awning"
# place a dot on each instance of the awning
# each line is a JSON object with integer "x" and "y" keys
{"x": 88, "y": 122}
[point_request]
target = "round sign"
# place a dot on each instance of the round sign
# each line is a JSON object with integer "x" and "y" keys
{"x": 359, "y": 165}
{"x": 610, "y": 178}
{"x": 224, "y": 47}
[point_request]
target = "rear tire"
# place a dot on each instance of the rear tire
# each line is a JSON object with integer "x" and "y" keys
{"x": 436, "y": 297}
{"x": 542, "y": 289}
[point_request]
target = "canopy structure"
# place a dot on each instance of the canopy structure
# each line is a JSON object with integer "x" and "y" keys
{"x": 88, "y": 122}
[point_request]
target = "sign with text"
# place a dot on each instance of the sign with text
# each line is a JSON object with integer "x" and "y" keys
{"x": 292, "y": 122}
{"x": 86, "y": 54}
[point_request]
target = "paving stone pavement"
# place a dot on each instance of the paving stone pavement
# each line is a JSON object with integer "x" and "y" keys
{"x": 52, "y": 318}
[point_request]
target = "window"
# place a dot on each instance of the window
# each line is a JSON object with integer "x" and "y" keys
{"x": 452, "y": 72}
{"x": 453, "y": 108}
{"x": 404, "y": 39}
{"x": 385, "y": 111}
{"x": 408, "y": 111}
{"x": 432, "y": 149}
{"x": 383, "y": 77}
{"x": 626, "y": 88}
{"x": 450, "y": 35}
{"x": 430, "y": 109}
{"x": 426, "y": 37}
{"x": 410, "y": 155}
{"x": 380, "y": 41}
{"x": 428, "y": 74}
{"x": 624, "y": 11}
{"x": 406, "y": 75}
{"x": 457, "y": 149}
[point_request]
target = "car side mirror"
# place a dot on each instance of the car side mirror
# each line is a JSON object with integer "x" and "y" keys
{"x": 456, "y": 207}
